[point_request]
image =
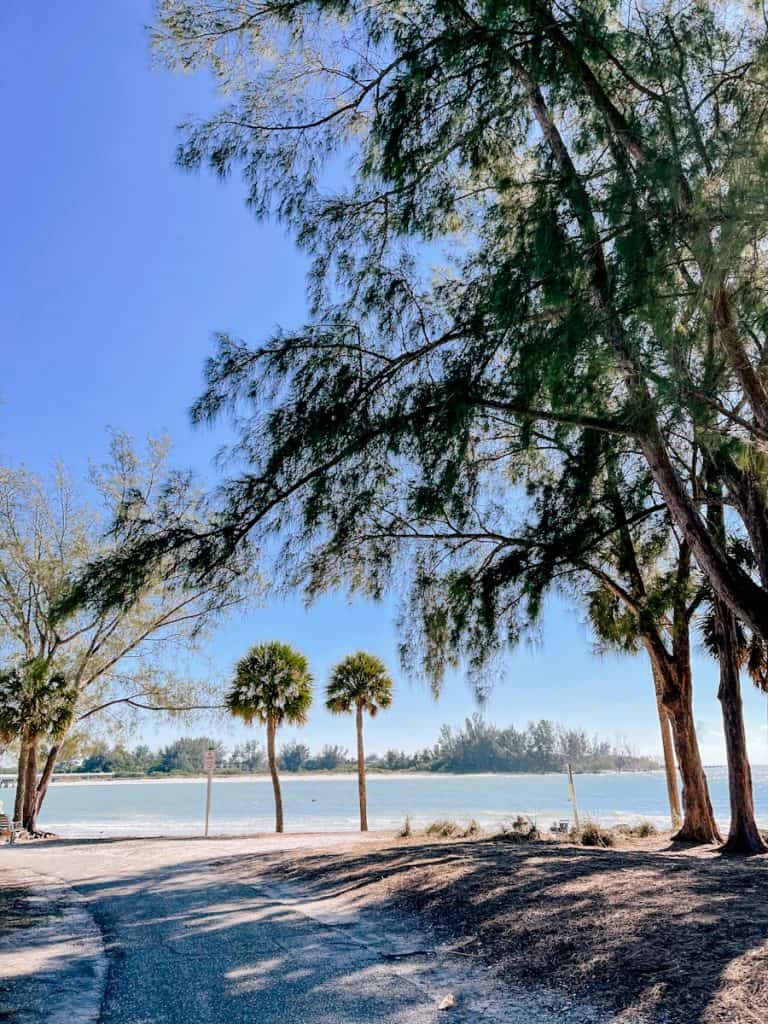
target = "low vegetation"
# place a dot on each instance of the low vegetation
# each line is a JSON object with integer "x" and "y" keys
{"x": 642, "y": 830}
{"x": 447, "y": 828}
{"x": 520, "y": 830}
{"x": 592, "y": 834}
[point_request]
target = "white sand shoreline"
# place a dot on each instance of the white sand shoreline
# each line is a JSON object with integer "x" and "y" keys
{"x": 102, "y": 780}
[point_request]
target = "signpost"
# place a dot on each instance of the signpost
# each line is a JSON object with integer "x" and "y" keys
{"x": 209, "y": 763}
{"x": 572, "y": 791}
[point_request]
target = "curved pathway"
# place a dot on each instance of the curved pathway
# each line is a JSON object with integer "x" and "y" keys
{"x": 188, "y": 942}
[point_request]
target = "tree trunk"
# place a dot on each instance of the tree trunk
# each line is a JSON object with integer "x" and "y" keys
{"x": 361, "y": 771}
{"x": 699, "y": 825}
{"x": 45, "y": 778}
{"x": 21, "y": 782}
{"x": 271, "y": 730}
{"x": 670, "y": 768}
{"x": 29, "y": 814}
{"x": 743, "y": 835}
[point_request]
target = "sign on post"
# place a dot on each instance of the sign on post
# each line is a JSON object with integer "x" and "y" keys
{"x": 209, "y": 763}
{"x": 572, "y": 791}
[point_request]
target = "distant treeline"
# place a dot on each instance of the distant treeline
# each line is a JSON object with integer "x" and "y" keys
{"x": 477, "y": 747}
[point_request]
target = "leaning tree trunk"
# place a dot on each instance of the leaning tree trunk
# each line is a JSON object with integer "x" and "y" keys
{"x": 743, "y": 835}
{"x": 21, "y": 781}
{"x": 48, "y": 769}
{"x": 361, "y": 771}
{"x": 670, "y": 768}
{"x": 699, "y": 825}
{"x": 271, "y": 730}
{"x": 29, "y": 810}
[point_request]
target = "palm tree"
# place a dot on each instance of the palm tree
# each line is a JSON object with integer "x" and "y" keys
{"x": 359, "y": 682}
{"x": 34, "y": 703}
{"x": 272, "y": 684}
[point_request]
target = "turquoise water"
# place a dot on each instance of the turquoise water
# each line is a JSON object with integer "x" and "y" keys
{"x": 330, "y": 802}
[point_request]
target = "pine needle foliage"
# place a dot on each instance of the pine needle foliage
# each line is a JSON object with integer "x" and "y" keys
{"x": 536, "y": 231}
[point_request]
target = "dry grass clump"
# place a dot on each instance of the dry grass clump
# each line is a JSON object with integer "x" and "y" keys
{"x": 405, "y": 829}
{"x": 591, "y": 834}
{"x": 447, "y": 828}
{"x": 642, "y": 830}
{"x": 443, "y": 827}
{"x": 521, "y": 830}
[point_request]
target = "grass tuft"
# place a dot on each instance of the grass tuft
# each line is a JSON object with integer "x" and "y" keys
{"x": 641, "y": 830}
{"x": 521, "y": 830}
{"x": 591, "y": 834}
{"x": 443, "y": 827}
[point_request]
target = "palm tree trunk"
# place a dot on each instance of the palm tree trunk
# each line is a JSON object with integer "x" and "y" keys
{"x": 361, "y": 770}
{"x": 743, "y": 835}
{"x": 29, "y": 812}
{"x": 670, "y": 769}
{"x": 21, "y": 781}
{"x": 45, "y": 778}
{"x": 271, "y": 730}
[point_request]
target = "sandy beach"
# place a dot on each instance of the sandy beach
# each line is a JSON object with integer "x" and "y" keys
{"x": 532, "y": 932}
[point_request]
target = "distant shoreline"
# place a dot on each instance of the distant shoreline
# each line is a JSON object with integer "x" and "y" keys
{"x": 87, "y": 779}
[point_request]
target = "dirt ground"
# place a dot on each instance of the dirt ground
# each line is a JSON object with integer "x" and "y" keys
{"x": 645, "y": 930}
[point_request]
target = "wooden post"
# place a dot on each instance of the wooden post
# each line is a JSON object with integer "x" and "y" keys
{"x": 209, "y": 763}
{"x": 572, "y": 791}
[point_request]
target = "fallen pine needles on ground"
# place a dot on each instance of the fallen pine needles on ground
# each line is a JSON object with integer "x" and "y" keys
{"x": 657, "y": 931}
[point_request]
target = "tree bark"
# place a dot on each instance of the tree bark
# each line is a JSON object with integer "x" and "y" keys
{"x": 743, "y": 835}
{"x": 699, "y": 825}
{"x": 21, "y": 782}
{"x": 271, "y": 730}
{"x": 29, "y": 813}
{"x": 45, "y": 778}
{"x": 361, "y": 770}
{"x": 670, "y": 768}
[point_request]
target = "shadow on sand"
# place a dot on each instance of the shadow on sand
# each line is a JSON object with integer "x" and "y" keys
{"x": 682, "y": 938}
{"x": 685, "y": 937}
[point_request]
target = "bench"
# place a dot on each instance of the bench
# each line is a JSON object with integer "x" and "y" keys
{"x": 9, "y": 829}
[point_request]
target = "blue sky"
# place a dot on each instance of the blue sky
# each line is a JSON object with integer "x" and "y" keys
{"x": 115, "y": 269}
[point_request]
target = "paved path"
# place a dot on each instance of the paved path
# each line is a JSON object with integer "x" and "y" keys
{"x": 52, "y": 961}
{"x": 188, "y": 942}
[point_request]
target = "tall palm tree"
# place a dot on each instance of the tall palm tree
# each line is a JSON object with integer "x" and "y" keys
{"x": 272, "y": 684}
{"x": 360, "y": 683}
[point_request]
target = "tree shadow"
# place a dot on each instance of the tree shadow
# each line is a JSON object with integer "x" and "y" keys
{"x": 187, "y": 943}
{"x": 682, "y": 936}
{"x": 203, "y": 940}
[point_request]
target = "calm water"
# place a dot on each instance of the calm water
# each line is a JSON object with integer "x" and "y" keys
{"x": 330, "y": 803}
